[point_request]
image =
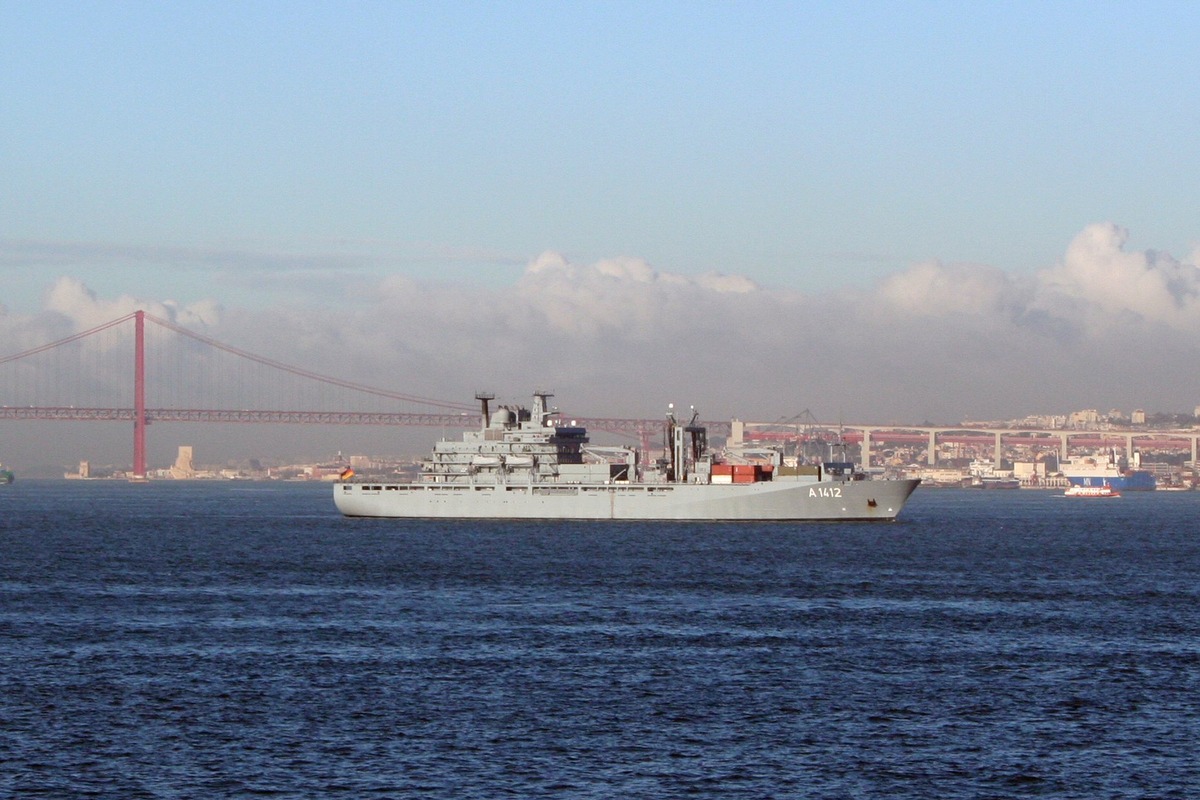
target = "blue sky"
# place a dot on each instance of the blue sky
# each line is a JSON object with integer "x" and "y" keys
{"x": 278, "y": 153}
{"x": 875, "y": 211}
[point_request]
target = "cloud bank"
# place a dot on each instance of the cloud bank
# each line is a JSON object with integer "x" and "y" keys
{"x": 1104, "y": 327}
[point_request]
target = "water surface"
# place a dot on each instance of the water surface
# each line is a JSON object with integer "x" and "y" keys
{"x": 237, "y": 639}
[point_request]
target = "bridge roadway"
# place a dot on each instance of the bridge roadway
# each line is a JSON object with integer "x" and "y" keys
{"x": 251, "y": 416}
{"x": 736, "y": 430}
{"x": 1062, "y": 440}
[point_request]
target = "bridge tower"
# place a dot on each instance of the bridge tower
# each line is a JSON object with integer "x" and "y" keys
{"x": 139, "y": 396}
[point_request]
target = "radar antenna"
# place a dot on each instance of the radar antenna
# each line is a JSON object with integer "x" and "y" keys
{"x": 483, "y": 398}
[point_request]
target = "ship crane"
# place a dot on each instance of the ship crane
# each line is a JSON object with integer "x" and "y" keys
{"x": 804, "y": 426}
{"x": 685, "y": 443}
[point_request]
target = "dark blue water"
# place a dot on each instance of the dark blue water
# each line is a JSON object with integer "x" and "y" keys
{"x": 234, "y": 640}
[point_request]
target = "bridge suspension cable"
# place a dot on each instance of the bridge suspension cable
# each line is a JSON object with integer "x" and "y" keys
{"x": 67, "y": 340}
{"x": 304, "y": 373}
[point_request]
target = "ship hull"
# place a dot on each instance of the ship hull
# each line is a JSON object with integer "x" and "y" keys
{"x": 1140, "y": 481}
{"x": 779, "y": 500}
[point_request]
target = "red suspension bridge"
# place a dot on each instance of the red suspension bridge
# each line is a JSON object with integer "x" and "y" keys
{"x": 167, "y": 373}
{"x": 178, "y": 375}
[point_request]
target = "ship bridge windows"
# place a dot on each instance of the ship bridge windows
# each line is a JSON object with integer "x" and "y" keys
{"x": 570, "y": 432}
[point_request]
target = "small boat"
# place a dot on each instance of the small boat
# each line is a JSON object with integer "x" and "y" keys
{"x": 983, "y": 475}
{"x": 1000, "y": 483}
{"x": 1091, "y": 491}
{"x": 7, "y": 476}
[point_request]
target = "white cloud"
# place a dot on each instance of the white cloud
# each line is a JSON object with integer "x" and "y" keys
{"x": 938, "y": 341}
{"x": 79, "y": 304}
{"x": 933, "y": 289}
{"x": 625, "y": 299}
{"x": 1102, "y": 284}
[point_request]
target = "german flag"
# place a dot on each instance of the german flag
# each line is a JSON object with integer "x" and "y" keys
{"x": 347, "y": 474}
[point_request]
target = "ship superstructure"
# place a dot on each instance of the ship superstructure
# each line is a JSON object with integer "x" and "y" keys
{"x": 527, "y": 464}
{"x": 519, "y": 445}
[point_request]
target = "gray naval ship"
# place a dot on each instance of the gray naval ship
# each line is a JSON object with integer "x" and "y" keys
{"x": 524, "y": 464}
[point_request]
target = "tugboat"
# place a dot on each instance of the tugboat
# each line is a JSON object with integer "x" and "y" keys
{"x": 526, "y": 464}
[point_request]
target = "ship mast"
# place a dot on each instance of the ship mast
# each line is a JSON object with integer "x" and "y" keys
{"x": 483, "y": 398}
{"x": 684, "y": 442}
{"x": 540, "y": 409}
